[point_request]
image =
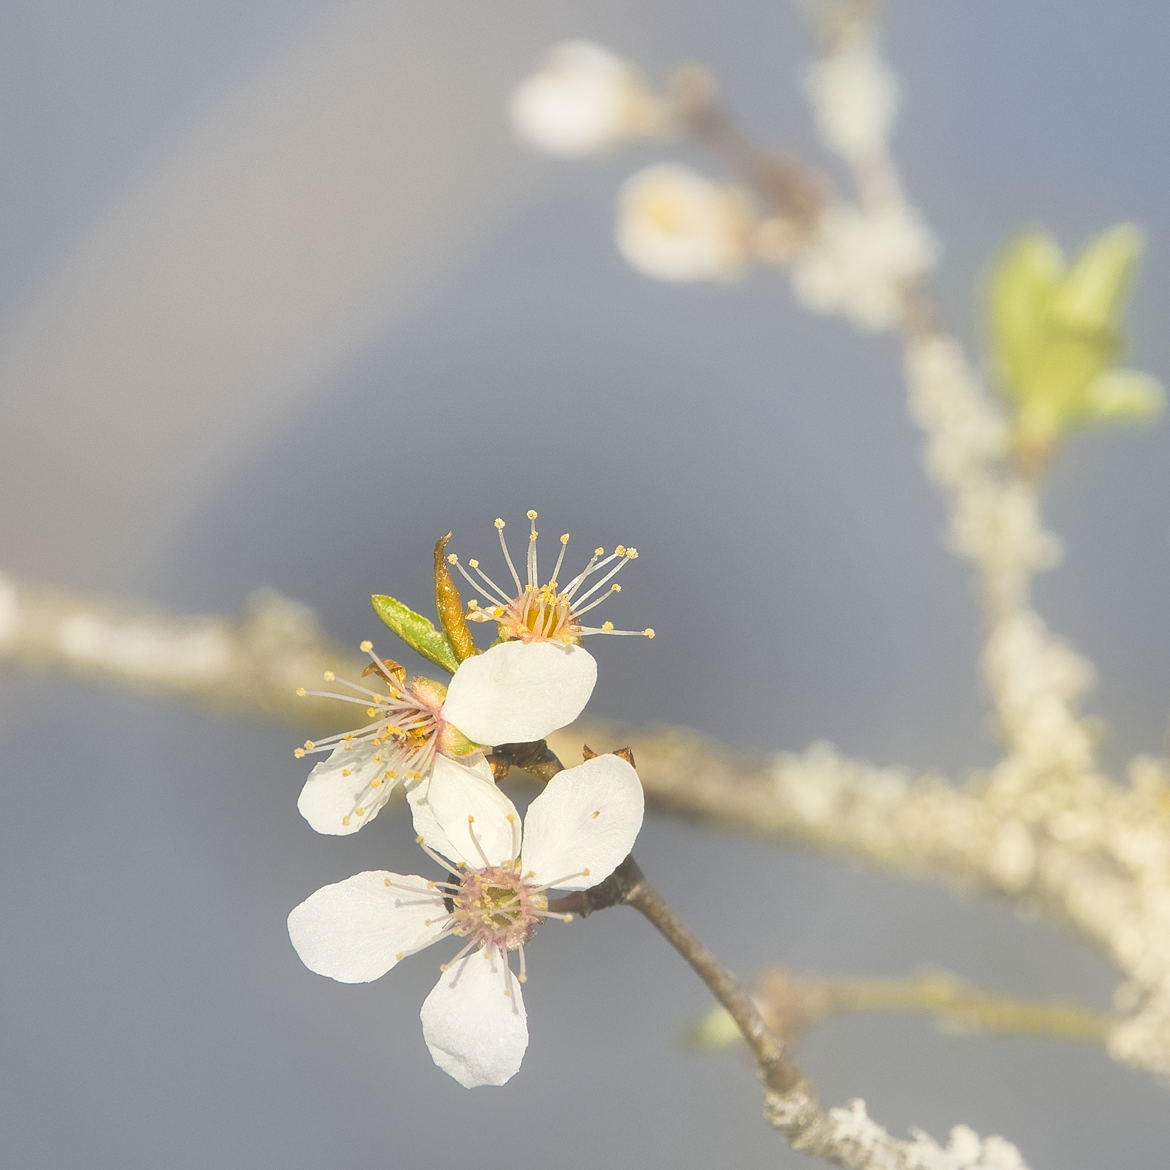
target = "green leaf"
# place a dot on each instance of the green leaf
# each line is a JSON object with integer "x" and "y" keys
{"x": 416, "y": 631}
{"x": 1055, "y": 334}
{"x": 714, "y": 1030}
{"x": 1124, "y": 396}
{"x": 1021, "y": 287}
{"x": 1091, "y": 296}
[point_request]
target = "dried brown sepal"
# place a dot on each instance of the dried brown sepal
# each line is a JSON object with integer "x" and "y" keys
{"x": 449, "y": 605}
{"x": 388, "y": 669}
{"x": 627, "y": 754}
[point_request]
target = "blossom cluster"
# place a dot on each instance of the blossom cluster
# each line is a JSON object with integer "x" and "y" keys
{"x": 436, "y": 741}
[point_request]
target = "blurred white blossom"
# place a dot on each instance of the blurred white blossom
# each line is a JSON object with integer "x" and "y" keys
{"x": 677, "y": 225}
{"x": 859, "y": 261}
{"x": 854, "y": 97}
{"x": 583, "y": 99}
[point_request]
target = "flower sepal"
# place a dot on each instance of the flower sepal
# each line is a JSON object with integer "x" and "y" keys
{"x": 449, "y": 605}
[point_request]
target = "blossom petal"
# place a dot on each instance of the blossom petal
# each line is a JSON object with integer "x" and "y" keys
{"x": 586, "y": 819}
{"x": 518, "y": 692}
{"x": 460, "y": 805}
{"x": 356, "y": 930}
{"x": 337, "y": 786}
{"x": 475, "y": 1031}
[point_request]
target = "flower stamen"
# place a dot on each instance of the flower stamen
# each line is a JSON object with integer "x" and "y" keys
{"x": 543, "y": 611}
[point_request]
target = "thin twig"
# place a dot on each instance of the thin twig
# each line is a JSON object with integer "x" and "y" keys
{"x": 777, "y": 1071}
{"x": 794, "y": 1003}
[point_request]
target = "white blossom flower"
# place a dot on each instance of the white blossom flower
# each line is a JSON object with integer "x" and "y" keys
{"x": 539, "y": 677}
{"x": 677, "y": 225}
{"x": 859, "y": 262}
{"x": 855, "y": 98}
{"x": 576, "y": 832}
{"x": 407, "y": 739}
{"x": 583, "y": 100}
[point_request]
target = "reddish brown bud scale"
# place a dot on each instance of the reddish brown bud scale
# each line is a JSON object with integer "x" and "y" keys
{"x": 449, "y": 605}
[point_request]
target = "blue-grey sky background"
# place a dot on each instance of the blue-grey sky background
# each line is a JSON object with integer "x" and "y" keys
{"x": 281, "y": 300}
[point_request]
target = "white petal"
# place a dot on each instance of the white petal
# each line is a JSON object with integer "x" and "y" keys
{"x": 454, "y": 793}
{"x": 329, "y": 798}
{"x": 356, "y": 930}
{"x": 586, "y": 818}
{"x": 476, "y": 1032}
{"x": 519, "y": 691}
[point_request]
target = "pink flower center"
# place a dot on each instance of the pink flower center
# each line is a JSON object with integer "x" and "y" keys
{"x": 495, "y": 907}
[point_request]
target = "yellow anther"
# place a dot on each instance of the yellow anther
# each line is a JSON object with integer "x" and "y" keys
{"x": 373, "y": 783}
{"x": 401, "y": 954}
{"x": 329, "y": 676}
{"x": 648, "y": 632}
{"x": 345, "y": 821}
{"x": 510, "y": 818}
{"x": 595, "y": 814}
{"x": 620, "y": 550}
{"x": 418, "y": 840}
{"x": 499, "y": 522}
{"x": 346, "y": 771}
{"x": 386, "y": 880}
{"x": 599, "y": 552}
{"x": 564, "y": 538}
{"x": 521, "y": 978}
{"x": 452, "y": 559}
{"x": 531, "y": 514}
{"x": 615, "y": 588}
{"x": 473, "y": 563}
{"x": 299, "y": 753}
{"x": 497, "y": 612}
{"x": 566, "y": 918}
{"x": 584, "y": 873}
{"x": 309, "y": 745}
{"x": 632, "y": 554}
{"x": 472, "y": 606}
{"x": 607, "y": 627}
{"x": 301, "y": 691}
{"x": 359, "y": 811}
{"x": 532, "y": 536}
{"x": 471, "y": 820}
{"x": 379, "y": 699}
{"x": 366, "y": 646}
{"x": 371, "y": 712}
{"x": 444, "y": 967}
{"x": 347, "y": 747}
